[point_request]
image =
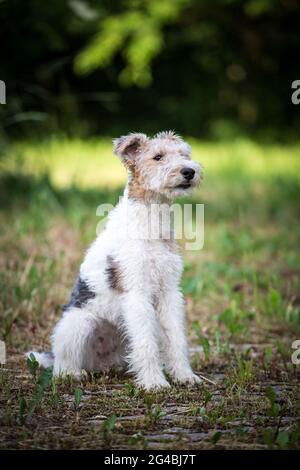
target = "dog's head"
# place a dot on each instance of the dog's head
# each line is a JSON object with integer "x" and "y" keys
{"x": 161, "y": 165}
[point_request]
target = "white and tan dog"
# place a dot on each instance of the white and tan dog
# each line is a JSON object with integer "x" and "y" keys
{"x": 126, "y": 307}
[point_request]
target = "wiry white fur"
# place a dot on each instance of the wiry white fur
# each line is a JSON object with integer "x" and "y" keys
{"x": 141, "y": 322}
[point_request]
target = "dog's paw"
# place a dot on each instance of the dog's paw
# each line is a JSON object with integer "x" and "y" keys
{"x": 189, "y": 378}
{"x": 152, "y": 385}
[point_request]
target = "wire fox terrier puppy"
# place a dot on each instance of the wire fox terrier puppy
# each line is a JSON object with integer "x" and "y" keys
{"x": 126, "y": 307}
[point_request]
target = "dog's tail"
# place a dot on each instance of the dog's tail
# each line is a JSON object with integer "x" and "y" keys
{"x": 45, "y": 359}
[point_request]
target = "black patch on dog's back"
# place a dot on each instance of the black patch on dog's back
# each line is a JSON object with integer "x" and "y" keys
{"x": 80, "y": 294}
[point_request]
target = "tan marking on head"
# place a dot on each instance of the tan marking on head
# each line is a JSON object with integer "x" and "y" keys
{"x": 136, "y": 187}
{"x": 149, "y": 178}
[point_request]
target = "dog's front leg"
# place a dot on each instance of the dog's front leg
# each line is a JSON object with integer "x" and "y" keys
{"x": 142, "y": 328}
{"x": 176, "y": 347}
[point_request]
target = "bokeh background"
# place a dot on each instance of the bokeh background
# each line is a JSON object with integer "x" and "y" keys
{"x": 90, "y": 67}
{"x": 80, "y": 72}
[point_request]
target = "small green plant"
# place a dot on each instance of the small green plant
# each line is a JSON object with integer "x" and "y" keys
{"x": 108, "y": 427}
{"x": 245, "y": 370}
{"x": 202, "y": 340}
{"x": 294, "y": 437}
{"x": 32, "y": 365}
{"x": 278, "y": 438}
{"x": 268, "y": 437}
{"x": 235, "y": 319}
{"x": 216, "y": 414}
{"x": 294, "y": 315}
{"x": 207, "y": 397}
{"x": 282, "y": 439}
{"x": 268, "y": 357}
{"x": 77, "y": 397}
{"x": 149, "y": 401}
{"x": 199, "y": 411}
{"x": 22, "y": 411}
{"x": 275, "y": 305}
{"x": 43, "y": 383}
{"x": 275, "y": 408}
{"x": 156, "y": 414}
{"x": 130, "y": 389}
{"x": 216, "y": 437}
{"x": 241, "y": 375}
{"x": 54, "y": 393}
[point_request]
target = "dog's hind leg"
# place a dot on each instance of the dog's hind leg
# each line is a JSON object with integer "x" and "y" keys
{"x": 70, "y": 341}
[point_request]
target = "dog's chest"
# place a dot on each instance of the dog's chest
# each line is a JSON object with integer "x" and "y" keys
{"x": 162, "y": 264}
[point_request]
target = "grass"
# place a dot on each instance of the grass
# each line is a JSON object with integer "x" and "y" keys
{"x": 242, "y": 302}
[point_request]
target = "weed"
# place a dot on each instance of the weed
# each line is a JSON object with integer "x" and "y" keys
{"x": 154, "y": 412}
{"x": 108, "y": 427}
{"x": 202, "y": 340}
{"x": 54, "y": 393}
{"x": 22, "y": 411}
{"x": 43, "y": 383}
{"x": 235, "y": 319}
{"x": 32, "y": 365}
{"x": 131, "y": 390}
{"x": 275, "y": 408}
{"x": 77, "y": 398}
{"x": 268, "y": 357}
{"x": 286, "y": 439}
{"x": 216, "y": 437}
{"x": 241, "y": 375}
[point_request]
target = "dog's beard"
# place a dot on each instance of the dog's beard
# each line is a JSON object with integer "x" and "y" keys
{"x": 177, "y": 191}
{"x": 184, "y": 188}
{"x": 179, "y": 187}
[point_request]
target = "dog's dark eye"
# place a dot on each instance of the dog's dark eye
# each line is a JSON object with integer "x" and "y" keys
{"x": 157, "y": 157}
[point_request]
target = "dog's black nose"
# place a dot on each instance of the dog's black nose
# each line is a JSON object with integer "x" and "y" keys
{"x": 188, "y": 173}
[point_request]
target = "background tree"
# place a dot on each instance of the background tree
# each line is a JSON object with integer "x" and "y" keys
{"x": 90, "y": 66}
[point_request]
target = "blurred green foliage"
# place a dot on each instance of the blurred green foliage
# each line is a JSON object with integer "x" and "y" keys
{"x": 137, "y": 33}
{"x": 214, "y": 69}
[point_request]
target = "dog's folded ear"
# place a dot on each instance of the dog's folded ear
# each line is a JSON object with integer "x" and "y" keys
{"x": 128, "y": 147}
